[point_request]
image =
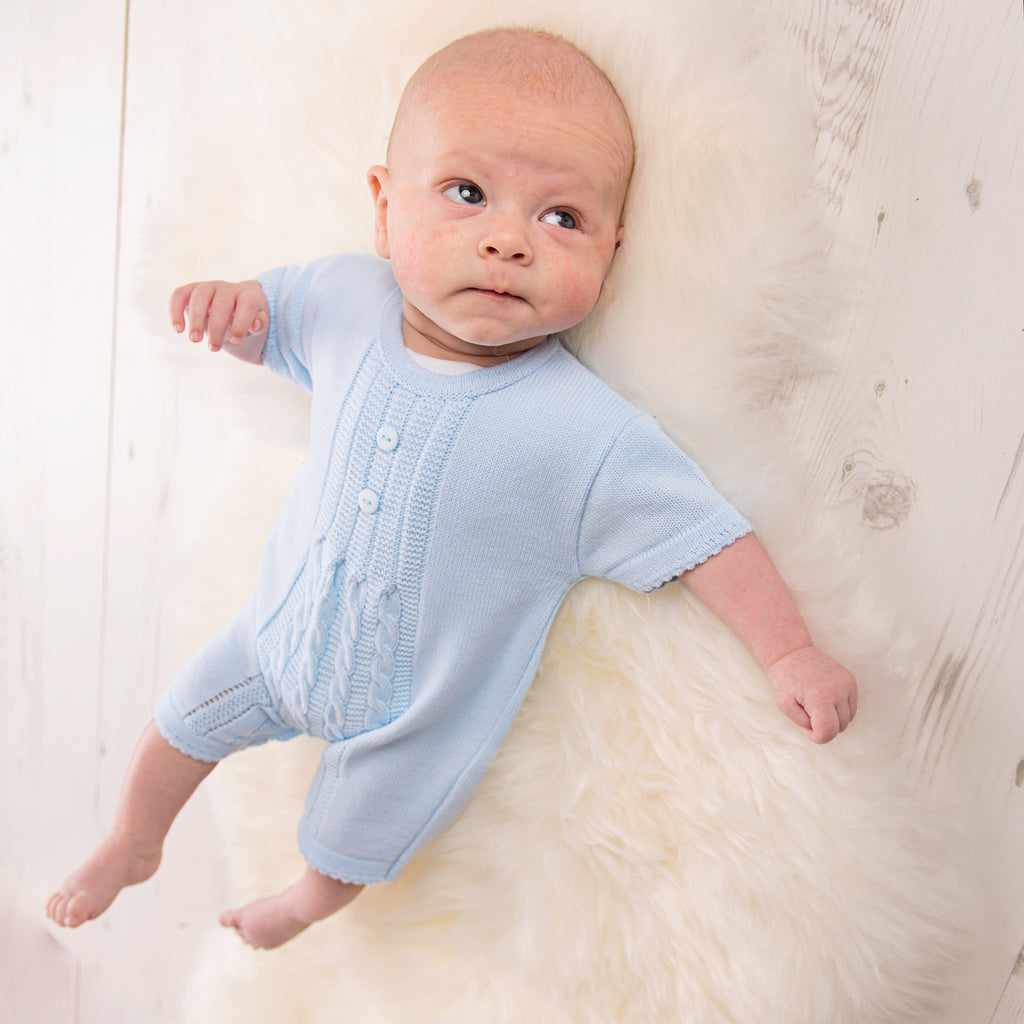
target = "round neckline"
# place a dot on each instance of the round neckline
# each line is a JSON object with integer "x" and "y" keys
{"x": 439, "y": 365}
{"x": 393, "y": 352}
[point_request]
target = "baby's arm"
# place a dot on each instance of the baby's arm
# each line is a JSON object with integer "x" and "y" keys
{"x": 742, "y": 587}
{"x": 224, "y": 312}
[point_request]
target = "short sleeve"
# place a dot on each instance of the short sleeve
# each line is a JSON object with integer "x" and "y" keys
{"x": 651, "y": 514}
{"x": 286, "y": 350}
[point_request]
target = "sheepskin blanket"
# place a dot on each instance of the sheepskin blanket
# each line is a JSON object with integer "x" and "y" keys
{"x": 655, "y": 842}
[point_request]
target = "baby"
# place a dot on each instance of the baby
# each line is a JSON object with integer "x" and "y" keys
{"x": 464, "y": 473}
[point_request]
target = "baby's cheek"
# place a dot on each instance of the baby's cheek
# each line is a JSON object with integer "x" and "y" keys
{"x": 423, "y": 263}
{"x": 412, "y": 274}
{"x": 580, "y": 292}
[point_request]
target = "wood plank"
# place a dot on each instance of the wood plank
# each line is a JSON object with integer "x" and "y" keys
{"x": 74, "y": 707}
{"x": 61, "y": 66}
{"x": 932, "y": 359}
{"x": 1011, "y": 1006}
{"x": 166, "y": 451}
{"x": 916, "y": 440}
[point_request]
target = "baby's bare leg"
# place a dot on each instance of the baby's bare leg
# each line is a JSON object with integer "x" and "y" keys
{"x": 159, "y": 781}
{"x": 273, "y": 920}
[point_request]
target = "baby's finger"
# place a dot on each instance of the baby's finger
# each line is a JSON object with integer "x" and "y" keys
{"x": 220, "y": 315}
{"x": 250, "y": 317}
{"x": 197, "y": 310}
{"x": 847, "y": 710}
{"x": 178, "y": 305}
{"x": 796, "y": 713}
{"x": 825, "y": 724}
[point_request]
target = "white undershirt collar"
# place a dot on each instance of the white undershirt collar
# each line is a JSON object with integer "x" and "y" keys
{"x": 451, "y": 367}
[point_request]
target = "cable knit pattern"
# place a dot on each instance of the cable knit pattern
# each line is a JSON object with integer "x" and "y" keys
{"x": 350, "y": 622}
{"x": 382, "y": 669}
{"x": 430, "y": 536}
{"x": 336, "y": 668}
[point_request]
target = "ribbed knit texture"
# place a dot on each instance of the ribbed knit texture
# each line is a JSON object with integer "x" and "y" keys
{"x": 431, "y": 534}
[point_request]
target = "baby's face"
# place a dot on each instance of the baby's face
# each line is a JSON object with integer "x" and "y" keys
{"x": 500, "y": 215}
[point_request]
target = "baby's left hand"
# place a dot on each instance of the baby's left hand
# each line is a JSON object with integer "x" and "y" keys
{"x": 814, "y": 691}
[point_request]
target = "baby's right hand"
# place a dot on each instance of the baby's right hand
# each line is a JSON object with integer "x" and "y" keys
{"x": 220, "y": 310}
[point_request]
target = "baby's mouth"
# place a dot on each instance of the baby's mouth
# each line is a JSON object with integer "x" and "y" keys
{"x": 496, "y": 293}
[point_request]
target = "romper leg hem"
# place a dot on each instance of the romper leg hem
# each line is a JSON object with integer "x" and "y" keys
{"x": 354, "y": 870}
{"x": 219, "y": 702}
{"x": 200, "y": 748}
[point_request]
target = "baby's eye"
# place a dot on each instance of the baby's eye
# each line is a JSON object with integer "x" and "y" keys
{"x": 560, "y": 218}
{"x": 465, "y": 192}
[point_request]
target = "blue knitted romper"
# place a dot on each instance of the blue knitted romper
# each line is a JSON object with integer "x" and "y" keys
{"x": 411, "y": 577}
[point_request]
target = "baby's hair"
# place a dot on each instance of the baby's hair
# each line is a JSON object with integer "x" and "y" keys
{"x": 529, "y": 60}
{"x": 535, "y": 63}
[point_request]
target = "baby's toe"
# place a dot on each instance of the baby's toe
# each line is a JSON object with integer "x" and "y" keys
{"x": 69, "y": 909}
{"x": 78, "y": 910}
{"x": 229, "y": 919}
{"x": 55, "y": 907}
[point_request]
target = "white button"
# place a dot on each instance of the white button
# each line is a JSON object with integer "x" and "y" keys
{"x": 368, "y": 501}
{"x": 387, "y": 439}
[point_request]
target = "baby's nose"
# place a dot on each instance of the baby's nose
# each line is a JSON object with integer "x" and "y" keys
{"x": 506, "y": 241}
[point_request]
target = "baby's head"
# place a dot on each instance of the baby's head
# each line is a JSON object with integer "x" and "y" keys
{"x": 501, "y": 206}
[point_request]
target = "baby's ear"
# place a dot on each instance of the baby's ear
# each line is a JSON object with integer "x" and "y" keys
{"x": 377, "y": 178}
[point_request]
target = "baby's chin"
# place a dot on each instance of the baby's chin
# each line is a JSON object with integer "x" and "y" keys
{"x": 482, "y": 335}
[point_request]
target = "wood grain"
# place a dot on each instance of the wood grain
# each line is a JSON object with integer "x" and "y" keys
{"x": 916, "y": 439}
{"x": 58, "y": 250}
{"x": 918, "y": 434}
{"x": 74, "y": 662}
{"x": 1011, "y": 1006}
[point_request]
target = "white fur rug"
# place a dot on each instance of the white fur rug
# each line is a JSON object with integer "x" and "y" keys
{"x": 654, "y": 843}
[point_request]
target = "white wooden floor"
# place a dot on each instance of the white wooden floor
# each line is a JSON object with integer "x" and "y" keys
{"x": 922, "y": 435}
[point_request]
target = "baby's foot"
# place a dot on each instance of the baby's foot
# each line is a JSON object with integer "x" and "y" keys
{"x": 265, "y": 923}
{"x": 273, "y": 920}
{"x": 87, "y": 892}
